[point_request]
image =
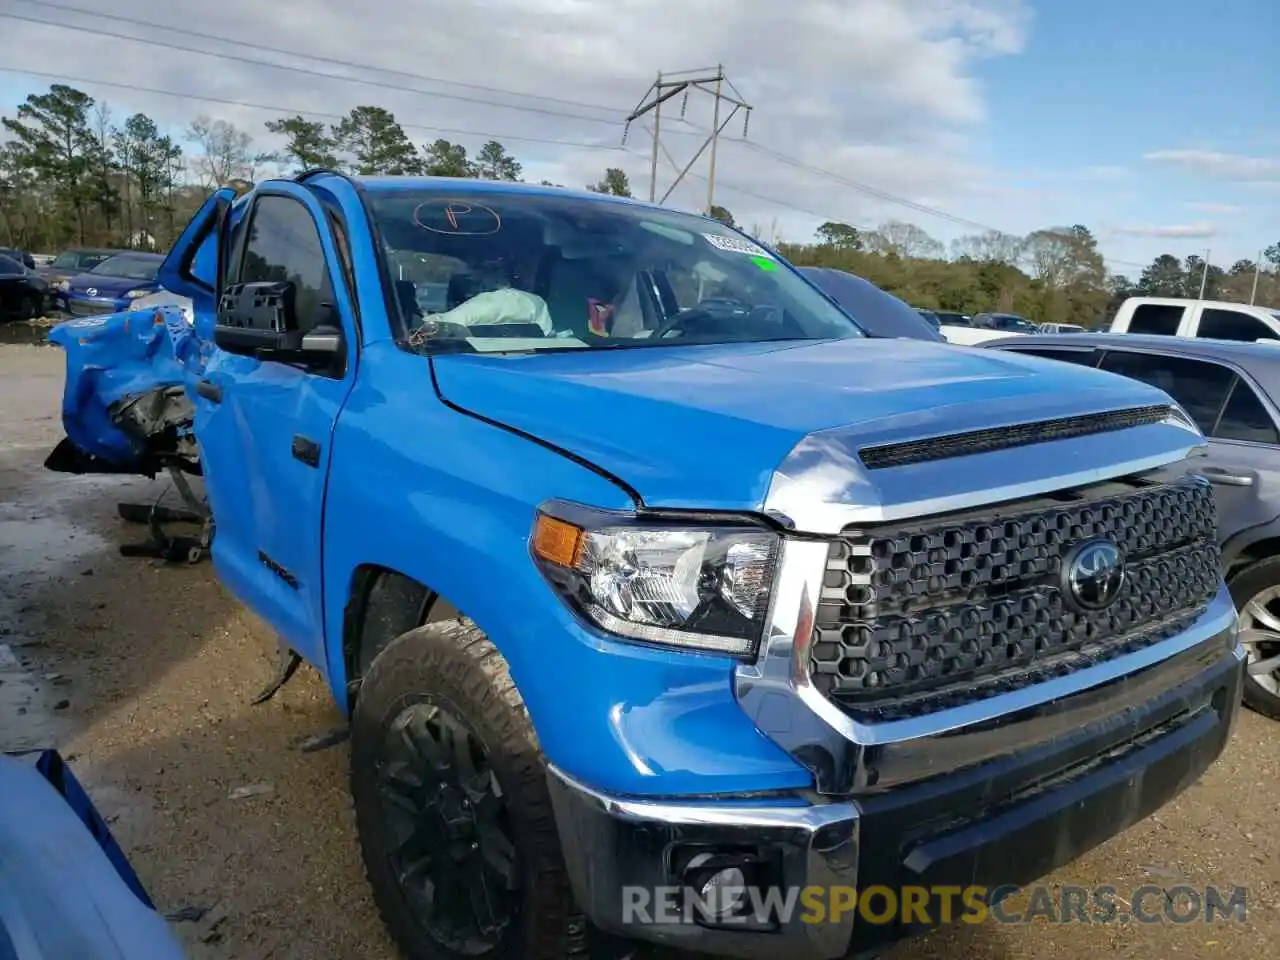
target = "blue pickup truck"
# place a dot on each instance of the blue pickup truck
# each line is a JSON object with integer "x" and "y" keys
{"x": 656, "y": 590}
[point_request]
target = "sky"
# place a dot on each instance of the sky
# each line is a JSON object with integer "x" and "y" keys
{"x": 1156, "y": 123}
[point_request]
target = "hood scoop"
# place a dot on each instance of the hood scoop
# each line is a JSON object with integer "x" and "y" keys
{"x": 885, "y": 455}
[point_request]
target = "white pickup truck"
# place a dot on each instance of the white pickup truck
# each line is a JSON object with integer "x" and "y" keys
{"x": 1213, "y": 319}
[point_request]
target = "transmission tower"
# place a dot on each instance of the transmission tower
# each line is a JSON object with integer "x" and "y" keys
{"x": 707, "y": 80}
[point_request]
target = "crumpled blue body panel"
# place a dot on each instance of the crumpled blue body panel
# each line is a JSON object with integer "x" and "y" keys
{"x": 115, "y": 358}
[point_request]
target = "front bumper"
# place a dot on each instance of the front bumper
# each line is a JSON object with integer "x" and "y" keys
{"x": 79, "y": 306}
{"x": 1054, "y": 782}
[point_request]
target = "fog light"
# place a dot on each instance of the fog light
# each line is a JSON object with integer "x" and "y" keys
{"x": 722, "y": 894}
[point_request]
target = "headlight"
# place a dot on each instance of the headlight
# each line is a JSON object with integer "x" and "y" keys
{"x": 135, "y": 294}
{"x": 697, "y": 587}
{"x": 64, "y": 285}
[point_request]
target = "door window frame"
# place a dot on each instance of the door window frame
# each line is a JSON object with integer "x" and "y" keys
{"x": 332, "y": 226}
{"x": 1239, "y": 375}
{"x": 1198, "y": 313}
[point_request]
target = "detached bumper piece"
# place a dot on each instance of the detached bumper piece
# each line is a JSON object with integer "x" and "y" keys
{"x": 1007, "y": 821}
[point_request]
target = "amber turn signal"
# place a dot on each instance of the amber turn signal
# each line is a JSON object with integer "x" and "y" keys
{"x": 558, "y": 542}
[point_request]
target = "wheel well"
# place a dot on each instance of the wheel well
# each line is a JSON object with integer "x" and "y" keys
{"x": 382, "y": 605}
{"x": 1254, "y": 552}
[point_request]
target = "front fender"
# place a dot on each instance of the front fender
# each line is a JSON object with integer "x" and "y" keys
{"x": 450, "y": 501}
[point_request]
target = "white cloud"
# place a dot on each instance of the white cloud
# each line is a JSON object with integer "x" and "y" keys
{"x": 1180, "y": 230}
{"x": 879, "y": 91}
{"x": 1222, "y": 208}
{"x": 1214, "y": 163}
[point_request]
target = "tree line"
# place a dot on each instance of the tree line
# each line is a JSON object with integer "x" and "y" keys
{"x": 72, "y": 173}
{"x": 1053, "y": 275}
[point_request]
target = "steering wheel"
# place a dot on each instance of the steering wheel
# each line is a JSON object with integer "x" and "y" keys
{"x": 713, "y": 308}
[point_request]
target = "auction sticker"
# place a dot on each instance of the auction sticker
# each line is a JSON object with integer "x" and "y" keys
{"x": 736, "y": 245}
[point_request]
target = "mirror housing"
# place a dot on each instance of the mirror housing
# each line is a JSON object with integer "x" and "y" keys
{"x": 260, "y": 320}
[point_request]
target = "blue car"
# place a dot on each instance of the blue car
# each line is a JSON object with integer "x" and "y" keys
{"x": 111, "y": 286}
{"x": 655, "y": 590}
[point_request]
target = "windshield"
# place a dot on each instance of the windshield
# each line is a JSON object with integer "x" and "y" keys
{"x": 508, "y": 271}
{"x": 128, "y": 268}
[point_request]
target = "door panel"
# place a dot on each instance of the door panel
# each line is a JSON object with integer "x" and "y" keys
{"x": 268, "y": 500}
{"x": 1244, "y": 461}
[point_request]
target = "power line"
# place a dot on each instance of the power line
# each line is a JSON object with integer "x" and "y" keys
{"x": 350, "y": 64}
{"x": 253, "y": 61}
{"x": 305, "y": 113}
{"x": 867, "y": 189}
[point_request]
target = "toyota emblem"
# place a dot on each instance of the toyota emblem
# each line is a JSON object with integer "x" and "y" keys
{"x": 1093, "y": 575}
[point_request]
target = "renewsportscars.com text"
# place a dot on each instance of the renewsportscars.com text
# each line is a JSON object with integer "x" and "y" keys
{"x": 933, "y": 905}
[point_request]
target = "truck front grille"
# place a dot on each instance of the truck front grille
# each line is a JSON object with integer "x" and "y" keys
{"x": 919, "y": 617}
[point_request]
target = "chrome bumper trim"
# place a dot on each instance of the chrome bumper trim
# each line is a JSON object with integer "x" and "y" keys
{"x": 615, "y": 844}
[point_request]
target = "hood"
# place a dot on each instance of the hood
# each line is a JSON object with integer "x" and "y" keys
{"x": 706, "y": 427}
{"x": 108, "y": 287}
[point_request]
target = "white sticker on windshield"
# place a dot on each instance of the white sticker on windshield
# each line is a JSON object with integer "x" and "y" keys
{"x": 736, "y": 245}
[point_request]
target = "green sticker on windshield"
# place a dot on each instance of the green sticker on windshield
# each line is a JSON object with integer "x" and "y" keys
{"x": 765, "y": 263}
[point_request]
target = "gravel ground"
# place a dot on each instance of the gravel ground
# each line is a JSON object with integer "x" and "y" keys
{"x": 142, "y": 675}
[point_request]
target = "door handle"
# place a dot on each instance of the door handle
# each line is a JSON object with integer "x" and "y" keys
{"x": 210, "y": 391}
{"x": 307, "y": 451}
{"x": 1218, "y": 475}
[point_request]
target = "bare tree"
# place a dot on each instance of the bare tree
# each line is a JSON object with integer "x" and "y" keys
{"x": 993, "y": 246}
{"x": 1063, "y": 256}
{"x": 905, "y": 239}
{"x": 223, "y": 152}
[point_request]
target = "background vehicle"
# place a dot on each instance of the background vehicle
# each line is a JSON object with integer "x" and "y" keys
{"x": 879, "y": 313}
{"x": 23, "y": 295}
{"x": 1232, "y": 390}
{"x": 70, "y": 263}
{"x": 639, "y": 564}
{"x": 1005, "y": 323}
{"x": 163, "y": 298}
{"x": 951, "y": 319}
{"x": 112, "y": 285}
{"x": 21, "y": 256}
{"x": 1213, "y": 319}
{"x": 930, "y": 316}
{"x": 1061, "y": 328}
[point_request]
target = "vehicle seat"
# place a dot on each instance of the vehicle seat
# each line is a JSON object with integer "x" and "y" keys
{"x": 571, "y": 285}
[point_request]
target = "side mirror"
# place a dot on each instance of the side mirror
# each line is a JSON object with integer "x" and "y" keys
{"x": 260, "y": 320}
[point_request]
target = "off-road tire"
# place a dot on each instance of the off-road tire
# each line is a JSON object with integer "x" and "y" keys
{"x": 1244, "y": 586}
{"x": 453, "y": 663}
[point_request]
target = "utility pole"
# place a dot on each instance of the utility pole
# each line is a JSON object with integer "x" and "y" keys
{"x": 711, "y": 81}
{"x": 1204, "y": 274}
{"x": 1257, "y": 271}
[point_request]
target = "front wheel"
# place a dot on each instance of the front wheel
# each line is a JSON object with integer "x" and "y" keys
{"x": 1256, "y": 593}
{"x": 452, "y": 809}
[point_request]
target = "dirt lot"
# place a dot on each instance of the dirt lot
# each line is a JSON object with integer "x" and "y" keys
{"x": 142, "y": 676}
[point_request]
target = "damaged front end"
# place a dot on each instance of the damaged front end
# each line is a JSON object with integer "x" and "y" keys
{"x": 126, "y": 410}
